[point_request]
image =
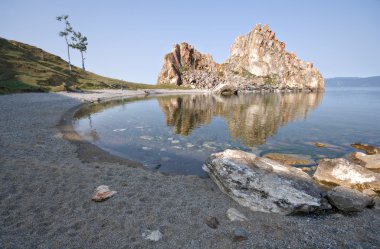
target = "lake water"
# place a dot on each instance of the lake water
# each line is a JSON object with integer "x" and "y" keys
{"x": 175, "y": 134}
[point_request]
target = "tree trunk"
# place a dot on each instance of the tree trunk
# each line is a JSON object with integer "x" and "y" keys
{"x": 81, "y": 53}
{"x": 68, "y": 53}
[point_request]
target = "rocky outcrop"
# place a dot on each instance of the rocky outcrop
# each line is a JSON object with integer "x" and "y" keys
{"x": 348, "y": 200}
{"x": 341, "y": 172}
{"x": 261, "y": 54}
{"x": 262, "y": 184}
{"x": 257, "y": 61}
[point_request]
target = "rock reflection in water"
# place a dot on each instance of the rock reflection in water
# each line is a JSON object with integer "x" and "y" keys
{"x": 251, "y": 117}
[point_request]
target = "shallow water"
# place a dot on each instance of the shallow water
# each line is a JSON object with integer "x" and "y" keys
{"x": 175, "y": 134}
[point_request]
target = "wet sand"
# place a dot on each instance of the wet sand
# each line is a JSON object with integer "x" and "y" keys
{"x": 48, "y": 175}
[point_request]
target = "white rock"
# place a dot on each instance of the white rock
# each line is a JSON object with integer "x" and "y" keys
{"x": 154, "y": 235}
{"x": 235, "y": 215}
{"x": 262, "y": 184}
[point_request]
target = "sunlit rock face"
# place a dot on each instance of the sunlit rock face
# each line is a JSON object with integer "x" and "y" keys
{"x": 257, "y": 61}
{"x": 261, "y": 54}
{"x": 247, "y": 118}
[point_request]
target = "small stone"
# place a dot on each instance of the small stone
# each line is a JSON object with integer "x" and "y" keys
{"x": 102, "y": 193}
{"x": 175, "y": 141}
{"x": 212, "y": 222}
{"x": 154, "y": 235}
{"x": 189, "y": 145}
{"x": 235, "y": 215}
{"x": 240, "y": 234}
{"x": 146, "y": 148}
{"x": 348, "y": 200}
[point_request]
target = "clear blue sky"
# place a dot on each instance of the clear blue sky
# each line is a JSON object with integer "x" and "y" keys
{"x": 128, "y": 39}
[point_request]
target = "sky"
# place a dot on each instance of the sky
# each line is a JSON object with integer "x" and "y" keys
{"x": 128, "y": 39}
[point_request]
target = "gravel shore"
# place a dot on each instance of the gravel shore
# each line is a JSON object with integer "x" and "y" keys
{"x": 46, "y": 184}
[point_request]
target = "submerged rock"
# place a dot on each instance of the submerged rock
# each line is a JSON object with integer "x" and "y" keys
{"x": 102, "y": 193}
{"x": 262, "y": 184}
{"x": 339, "y": 171}
{"x": 348, "y": 200}
{"x": 368, "y": 161}
{"x": 235, "y": 215}
{"x": 290, "y": 159}
{"x": 320, "y": 145}
{"x": 369, "y": 149}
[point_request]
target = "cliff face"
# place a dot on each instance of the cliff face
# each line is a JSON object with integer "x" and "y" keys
{"x": 257, "y": 61}
{"x": 261, "y": 54}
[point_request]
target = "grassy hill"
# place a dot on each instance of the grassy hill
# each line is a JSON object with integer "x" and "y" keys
{"x": 24, "y": 68}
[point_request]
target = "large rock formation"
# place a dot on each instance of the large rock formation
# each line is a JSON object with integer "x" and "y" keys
{"x": 262, "y": 184}
{"x": 257, "y": 61}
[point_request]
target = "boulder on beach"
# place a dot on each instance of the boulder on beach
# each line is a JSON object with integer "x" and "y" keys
{"x": 371, "y": 162}
{"x": 262, "y": 184}
{"x": 348, "y": 200}
{"x": 340, "y": 171}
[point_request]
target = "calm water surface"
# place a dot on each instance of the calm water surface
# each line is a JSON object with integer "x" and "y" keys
{"x": 175, "y": 134}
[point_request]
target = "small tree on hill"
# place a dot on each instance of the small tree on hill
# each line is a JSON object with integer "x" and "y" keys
{"x": 80, "y": 43}
{"x": 66, "y": 32}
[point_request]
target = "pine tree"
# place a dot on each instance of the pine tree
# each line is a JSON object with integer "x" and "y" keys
{"x": 65, "y": 33}
{"x": 80, "y": 43}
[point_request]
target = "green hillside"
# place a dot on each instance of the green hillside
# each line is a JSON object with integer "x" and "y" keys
{"x": 24, "y": 68}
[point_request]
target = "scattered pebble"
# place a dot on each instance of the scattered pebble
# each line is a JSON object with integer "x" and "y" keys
{"x": 175, "y": 141}
{"x": 146, "y": 148}
{"x": 235, "y": 215}
{"x": 240, "y": 234}
{"x": 212, "y": 222}
{"x": 102, "y": 193}
{"x": 189, "y": 145}
{"x": 154, "y": 235}
{"x": 320, "y": 145}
